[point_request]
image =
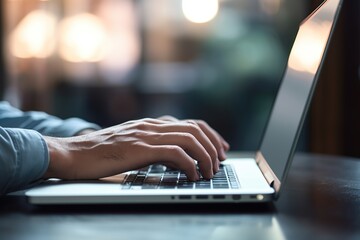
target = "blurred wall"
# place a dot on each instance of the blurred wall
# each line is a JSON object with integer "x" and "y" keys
{"x": 2, "y": 63}
{"x": 335, "y": 116}
{"x": 110, "y": 61}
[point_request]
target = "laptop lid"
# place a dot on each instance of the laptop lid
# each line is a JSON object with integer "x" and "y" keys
{"x": 296, "y": 89}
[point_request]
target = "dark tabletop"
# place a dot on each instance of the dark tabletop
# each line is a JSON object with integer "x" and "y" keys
{"x": 320, "y": 200}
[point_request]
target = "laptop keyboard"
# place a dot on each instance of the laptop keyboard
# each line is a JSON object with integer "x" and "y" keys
{"x": 162, "y": 177}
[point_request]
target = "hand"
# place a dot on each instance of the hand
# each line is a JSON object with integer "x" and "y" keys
{"x": 136, "y": 144}
{"x": 85, "y": 131}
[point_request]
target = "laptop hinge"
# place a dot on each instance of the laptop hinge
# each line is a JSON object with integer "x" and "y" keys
{"x": 268, "y": 173}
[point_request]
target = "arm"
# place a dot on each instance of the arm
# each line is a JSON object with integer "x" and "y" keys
{"x": 106, "y": 152}
{"x": 136, "y": 144}
{"x": 41, "y": 122}
{"x": 24, "y": 156}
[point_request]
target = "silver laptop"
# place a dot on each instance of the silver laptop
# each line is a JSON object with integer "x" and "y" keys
{"x": 252, "y": 179}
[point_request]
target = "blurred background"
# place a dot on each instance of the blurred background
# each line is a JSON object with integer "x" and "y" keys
{"x": 109, "y": 61}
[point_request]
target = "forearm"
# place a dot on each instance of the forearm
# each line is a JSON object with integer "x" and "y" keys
{"x": 43, "y": 123}
{"x": 81, "y": 157}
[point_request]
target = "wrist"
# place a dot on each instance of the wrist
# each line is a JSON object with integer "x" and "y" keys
{"x": 85, "y": 131}
{"x": 59, "y": 159}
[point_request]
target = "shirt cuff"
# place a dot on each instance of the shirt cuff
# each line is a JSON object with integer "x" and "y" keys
{"x": 32, "y": 158}
{"x": 70, "y": 127}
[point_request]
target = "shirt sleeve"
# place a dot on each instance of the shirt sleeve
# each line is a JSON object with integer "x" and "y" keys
{"x": 24, "y": 158}
{"x": 41, "y": 122}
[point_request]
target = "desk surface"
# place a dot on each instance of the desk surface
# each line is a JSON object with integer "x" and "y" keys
{"x": 320, "y": 200}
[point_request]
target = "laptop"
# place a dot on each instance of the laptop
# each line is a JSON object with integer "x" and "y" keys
{"x": 258, "y": 178}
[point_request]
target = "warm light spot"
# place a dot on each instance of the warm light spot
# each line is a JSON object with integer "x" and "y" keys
{"x": 200, "y": 11}
{"x": 82, "y": 38}
{"x": 309, "y": 46}
{"x": 34, "y": 36}
{"x": 123, "y": 44}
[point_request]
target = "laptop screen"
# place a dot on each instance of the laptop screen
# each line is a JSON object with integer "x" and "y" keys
{"x": 293, "y": 98}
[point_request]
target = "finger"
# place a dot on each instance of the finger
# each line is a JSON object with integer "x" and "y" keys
{"x": 194, "y": 130}
{"x": 147, "y": 120}
{"x": 168, "y": 118}
{"x": 164, "y": 126}
{"x": 220, "y": 144}
{"x": 142, "y": 154}
{"x": 204, "y": 126}
{"x": 174, "y": 156}
{"x": 214, "y": 136}
{"x": 191, "y": 146}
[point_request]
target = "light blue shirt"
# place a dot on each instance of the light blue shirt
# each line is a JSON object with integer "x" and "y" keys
{"x": 24, "y": 155}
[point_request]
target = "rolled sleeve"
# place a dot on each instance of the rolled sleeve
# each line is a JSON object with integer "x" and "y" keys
{"x": 44, "y": 123}
{"x": 52, "y": 126}
{"x": 24, "y": 158}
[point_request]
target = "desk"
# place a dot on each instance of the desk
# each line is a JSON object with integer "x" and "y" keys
{"x": 320, "y": 200}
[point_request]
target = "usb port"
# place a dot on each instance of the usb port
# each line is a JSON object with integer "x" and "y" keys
{"x": 236, "y": 197}
{"x": 201, "y": 197}
{"x": 219, "y": 197}
{"x": 184, "y": 197}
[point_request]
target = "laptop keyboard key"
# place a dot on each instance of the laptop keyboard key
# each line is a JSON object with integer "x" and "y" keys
{"x": 149, "y": 186}
{"x": 221, "y": 186}
{"x": 152, "y": 180}
{"x": 162, "y": 177}
{"x": 185, "y": 185}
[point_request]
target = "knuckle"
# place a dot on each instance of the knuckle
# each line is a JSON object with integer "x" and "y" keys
{"x": 139, "y": 134}
{"x": 191, "y": 122}
{"x": 213, "y": 154}
{"x": 209, "y": 160}
{"x": 188, "y": 137}
{"x": 202, "y": 123}
{"x": 175, "y": 150}
{"x": 167, "y": 118}
{"x": 193, "y": 127}
{"x": 176, "y": 154}
{"x": 147, "y": 120}
{"x": 144, "y": 126}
